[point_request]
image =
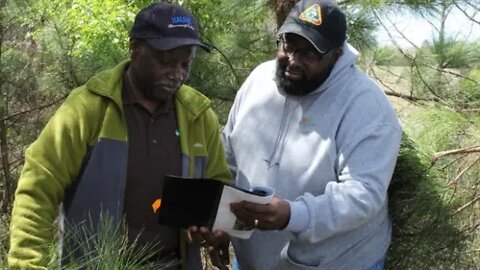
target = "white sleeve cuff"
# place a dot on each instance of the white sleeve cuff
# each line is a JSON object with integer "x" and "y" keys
{"x": 299, "y": 217}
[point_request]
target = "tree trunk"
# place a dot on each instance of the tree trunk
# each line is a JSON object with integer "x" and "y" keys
{"x": 5, "y": 185}
{"x": 5, "y": 189}
{"x": 281, "y": 8}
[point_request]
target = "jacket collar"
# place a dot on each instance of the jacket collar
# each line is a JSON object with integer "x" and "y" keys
{"x": 109, "y": 84}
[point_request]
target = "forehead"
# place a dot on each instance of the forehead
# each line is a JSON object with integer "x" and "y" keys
{"x": 298, "y": 41}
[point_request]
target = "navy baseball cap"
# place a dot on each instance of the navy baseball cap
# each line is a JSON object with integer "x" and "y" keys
{"x": 319, "y": 21}
{"x": 167, "y": 26}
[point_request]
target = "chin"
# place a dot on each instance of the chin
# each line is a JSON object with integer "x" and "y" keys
{"x": 292, "y": 87}
{"x": 162, "y": 95}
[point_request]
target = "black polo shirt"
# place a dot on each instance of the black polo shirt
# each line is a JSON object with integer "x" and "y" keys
{"x": 153, "y": 151}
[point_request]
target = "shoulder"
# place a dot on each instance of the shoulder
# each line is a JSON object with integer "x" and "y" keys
{"x": 265, "y": 70}
{"x": 191, "y": 99}
{"x": 262, "y": 77}
{"x": 84, "y": 101}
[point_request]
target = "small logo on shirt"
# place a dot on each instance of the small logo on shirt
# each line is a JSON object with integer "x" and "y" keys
{"x": 304, "y": 120}
{"x": 198, "y": 145}
{"x": 306, "y": 124}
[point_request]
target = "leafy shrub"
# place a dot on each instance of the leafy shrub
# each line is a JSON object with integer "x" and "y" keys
{"x": 470, "y": 90}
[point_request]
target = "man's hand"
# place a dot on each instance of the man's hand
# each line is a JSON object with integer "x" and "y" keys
{"x": 220, "y": 255}
{"x": 216, "y": 243}
{"x": 272, "y": 216}
{"x": 204, "y": 237}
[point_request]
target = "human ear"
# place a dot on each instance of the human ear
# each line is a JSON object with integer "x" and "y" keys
{"x": 338, "y": 52}
{"x": 132, "y": 46}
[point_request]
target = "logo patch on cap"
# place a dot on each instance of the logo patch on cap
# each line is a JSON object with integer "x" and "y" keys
{"x": 313, "y": 15}
{"x": 181, "y": 21}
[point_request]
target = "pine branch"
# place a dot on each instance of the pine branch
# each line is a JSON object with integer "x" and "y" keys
{"x": 468, "y": 150}
{"x": 471, "y": 18}
{"x": 8, "y": 117}
{"x": 414, "y": 59}
{"x": 453, "y": 161}
{"x": 461, "y": 208}
{"x": 230, "y": 65}
{"x": 458, "y": 176}
{"x": 394, "y": 93}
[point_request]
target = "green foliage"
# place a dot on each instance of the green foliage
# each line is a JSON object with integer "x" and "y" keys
{"x": 98, "y": 28}
{"x": 361, "y": 26}
{"x": 4, "y": 237}
{"x": 104, "y": 247}
{"x": 18, "y": 80}
{"x": 424, "y": 232}
{"x": 50, "y": 47}
{"x": 451, "y": 53}
{"x": 446, "y": 134}
{"x": 108, "y": 247}
{"x": 238, "y": 47}
{"x": 470, "y": 90}
{"x": 433, "y": 207}
{"x": 389, "y": 56}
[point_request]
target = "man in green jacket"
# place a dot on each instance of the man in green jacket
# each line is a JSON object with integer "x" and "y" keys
{"x": 106, "y": 150}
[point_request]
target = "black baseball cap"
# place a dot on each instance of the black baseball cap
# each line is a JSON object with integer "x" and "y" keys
{"x": 319, "y": 21}
{"x": 167, "y": 26}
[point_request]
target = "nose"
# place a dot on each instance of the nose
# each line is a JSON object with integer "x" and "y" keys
{"x": 175, "y": 73}
{"x": 294, "y": 58}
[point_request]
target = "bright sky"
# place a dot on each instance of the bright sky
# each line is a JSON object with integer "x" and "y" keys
{"x": 418, "y": 30}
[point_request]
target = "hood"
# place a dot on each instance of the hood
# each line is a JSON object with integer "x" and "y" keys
{"x": 347, "y": 60}
{"x": 341, "y": 69}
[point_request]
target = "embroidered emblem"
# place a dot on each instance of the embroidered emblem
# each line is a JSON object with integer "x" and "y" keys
{"x": 313, "y": 15}
{"x": 306, "y": 124}
{"x": 304, "y": 120}
{"x": 181, "y": 21}
{"x": 198, "y": 145}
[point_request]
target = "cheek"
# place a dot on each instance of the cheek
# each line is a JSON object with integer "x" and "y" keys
{"x": 149, "y": 76}
{"x": 282, "y": 58}
{"x": 185, "y": 73}
{"x": 282, "y": 62}
{"x": 318, "y": 74}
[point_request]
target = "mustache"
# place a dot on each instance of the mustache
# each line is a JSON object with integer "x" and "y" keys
{"x": 292, "y": 87}
{"x": 168, "y": 85}
{"x": 293, "y": 69}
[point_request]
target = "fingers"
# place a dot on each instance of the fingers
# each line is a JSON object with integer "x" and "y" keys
{"x": 220, "y": 256}
{"x": 204, "y": 237}
{"x": 194, "y": 236}
{"x": 221, "y": 236}
{"x": 253, "y": 208}
{"x": 248, "y": 212}
{"x": 217, "y": 244}
{"x": 272, "y": 216}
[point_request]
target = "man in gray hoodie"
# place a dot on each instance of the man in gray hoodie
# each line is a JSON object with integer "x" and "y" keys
{"x": 324, "y": 136}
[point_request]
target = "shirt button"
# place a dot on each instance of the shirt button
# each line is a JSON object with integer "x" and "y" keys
{"x": 152, "y": 120}
{"x": 154, "y": 141}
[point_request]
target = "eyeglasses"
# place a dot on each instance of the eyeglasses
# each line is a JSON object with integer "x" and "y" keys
{"x": 304, "y": 54}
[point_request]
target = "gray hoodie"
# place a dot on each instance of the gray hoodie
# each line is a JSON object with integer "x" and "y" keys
{"x": 330, "y": 153}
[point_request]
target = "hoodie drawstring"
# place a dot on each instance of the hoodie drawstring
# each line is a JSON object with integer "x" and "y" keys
{"x": 281, "y": 140}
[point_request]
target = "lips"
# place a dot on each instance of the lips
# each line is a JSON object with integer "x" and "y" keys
{"x": 293, "y": 74}
{"x": 170, "y": 88}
